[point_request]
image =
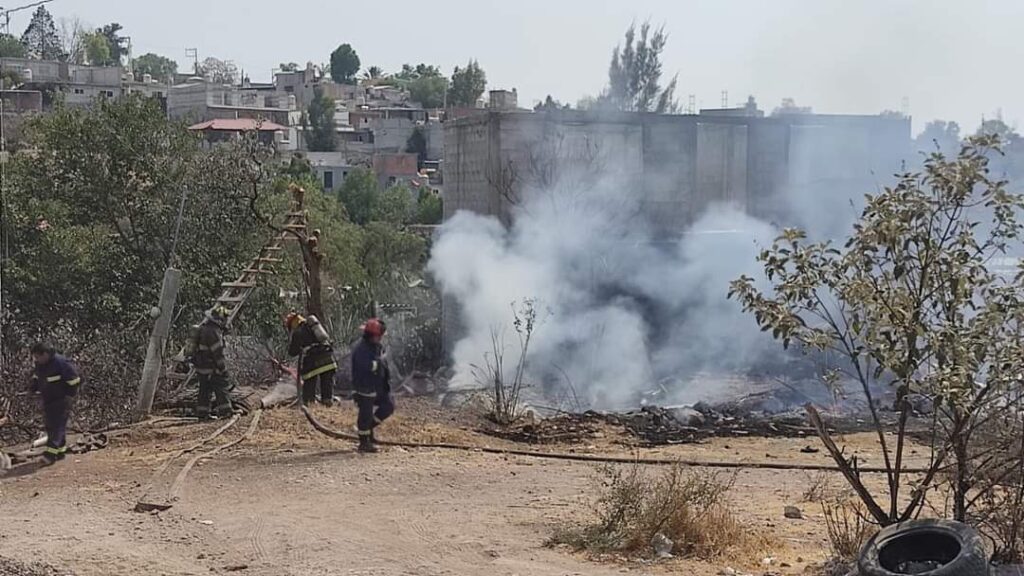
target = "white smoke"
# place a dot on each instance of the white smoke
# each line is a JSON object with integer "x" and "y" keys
{"x": 619, "y": 311}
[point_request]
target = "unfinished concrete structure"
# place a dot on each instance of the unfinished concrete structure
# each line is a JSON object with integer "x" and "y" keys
{"x": 674, "y": 166}
{"x": 682, "y": 164}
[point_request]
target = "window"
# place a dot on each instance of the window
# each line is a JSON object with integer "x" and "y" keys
{"x": 328, "y": 180}
{"x": 392, "y": 181}
{"x": 110, "y": 93}
{"x": 79, "y": 91}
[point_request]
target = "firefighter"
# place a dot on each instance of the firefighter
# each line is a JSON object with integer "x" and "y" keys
{"x": 207, "y": 357}
{"x": 309, "y": 341}
{"x": 56, "y": 382}
{"x": 371, "y": 383}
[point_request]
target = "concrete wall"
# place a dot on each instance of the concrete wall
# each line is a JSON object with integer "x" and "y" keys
{"x": 683, "y": 164}
{"x": 391, "y": 134}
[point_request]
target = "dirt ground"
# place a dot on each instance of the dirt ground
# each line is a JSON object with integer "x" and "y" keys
{"x": 289, "y": 501}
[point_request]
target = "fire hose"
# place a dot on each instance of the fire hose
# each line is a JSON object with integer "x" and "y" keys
{"x": 599, "y": 459}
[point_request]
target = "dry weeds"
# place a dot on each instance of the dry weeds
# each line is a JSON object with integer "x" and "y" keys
{"x": 687, "y": 506}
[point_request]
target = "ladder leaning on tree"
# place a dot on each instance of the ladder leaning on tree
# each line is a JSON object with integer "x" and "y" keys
{"x": 235, "y": 293}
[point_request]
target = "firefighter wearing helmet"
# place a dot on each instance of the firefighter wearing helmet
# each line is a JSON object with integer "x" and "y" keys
{"x": 310, "y": 342}
{"x": 371, "y": 383}
{"x": 207, "y": 358}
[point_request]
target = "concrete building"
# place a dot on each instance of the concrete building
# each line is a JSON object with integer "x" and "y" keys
{"x": 392, "y": 169}
{"x": 503, "y": 100}
{"x": 79, "y": 84}
{"x": 199, "y": 101}
{"x": 331, "y": 168}
{"x": 685, "y": 163}
{"x": 222, "y": 130}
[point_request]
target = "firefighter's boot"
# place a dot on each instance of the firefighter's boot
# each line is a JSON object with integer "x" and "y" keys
{"x": 366, "y": 445}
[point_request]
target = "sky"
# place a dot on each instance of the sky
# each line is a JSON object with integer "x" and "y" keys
{"x": 937, "y": 59}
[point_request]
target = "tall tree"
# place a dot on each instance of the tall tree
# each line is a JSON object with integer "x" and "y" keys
{"x": 97, "y": 49}
{"x": 428, "y": 91}
{"x": 118, "y": 44}
{"x": 634, "y": 76}
{"x": 550, "y": 104}
{"x": 159, "y": 67}
{"x": 344, "y": 64}
{"x": 40, "y": 39}
{"x": 939, "y": 134}
{"x": 421, "y": 70}
{"x": 218, "y": 71}
{"x": 11, "y": 47}
{"x": 374, "y": 73}
{"x": 321, "y": 133}
{"x": 467, "y": 85}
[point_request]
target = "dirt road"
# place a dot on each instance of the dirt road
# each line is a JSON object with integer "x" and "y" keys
{"x": 288, "y": 502}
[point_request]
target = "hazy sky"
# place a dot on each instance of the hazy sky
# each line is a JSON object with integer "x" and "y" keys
{"x": 951, "y": 59}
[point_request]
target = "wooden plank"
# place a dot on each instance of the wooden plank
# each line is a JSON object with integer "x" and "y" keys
{"x": 271, "y": 260}
{"x": 232, "y": 299}
{"x": 258, "y": 271}
{"x": 238, "y": 285}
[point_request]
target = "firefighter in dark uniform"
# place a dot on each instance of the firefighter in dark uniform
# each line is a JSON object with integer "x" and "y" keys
{"x": 371, "y": 383}
{"x": 317, "y": 367}
{"x": 207, "y": 357}
{"x": 56, "y": 381}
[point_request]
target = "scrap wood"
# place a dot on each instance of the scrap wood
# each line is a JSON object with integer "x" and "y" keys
{"x": 604, "y": 459}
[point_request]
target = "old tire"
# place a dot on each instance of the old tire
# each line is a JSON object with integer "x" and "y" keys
{"x": 937, "y": 547}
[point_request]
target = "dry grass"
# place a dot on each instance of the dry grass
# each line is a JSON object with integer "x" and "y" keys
{"x": 687, "y": 506}
{"x": 821, "y": 487}
{"x": 847, "y": 527}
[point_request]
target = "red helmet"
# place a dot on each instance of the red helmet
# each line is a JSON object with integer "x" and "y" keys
{"x": 292, "y": 320}
{"x": 374, "y": 327}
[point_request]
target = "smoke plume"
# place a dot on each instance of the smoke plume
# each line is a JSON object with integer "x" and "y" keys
{"x": 620, "y": 310}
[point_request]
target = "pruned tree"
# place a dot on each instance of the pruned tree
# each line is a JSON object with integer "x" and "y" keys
{"x": 634, "y": 76}
{"x": 72, "y": 37}
{"x": 288, "y": 67}
{"x": 467, "y": 85}
{"x": 40, "y": 38}
{"x": 914, "y": 304}
{"x": 344, "y": 64}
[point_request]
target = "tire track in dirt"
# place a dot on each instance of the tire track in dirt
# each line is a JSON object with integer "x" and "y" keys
{"x": 256, "y": 538}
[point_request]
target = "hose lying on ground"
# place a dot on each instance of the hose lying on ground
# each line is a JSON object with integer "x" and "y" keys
{"x": 607, "y": 459}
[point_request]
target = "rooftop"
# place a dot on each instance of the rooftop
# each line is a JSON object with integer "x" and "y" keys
{"x": 238, "y": 125}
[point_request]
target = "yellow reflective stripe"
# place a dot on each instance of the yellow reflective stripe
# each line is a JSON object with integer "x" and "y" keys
{"x": 320, "y": 370}
{"x": 53, "y": 378}
{"x": 52, "y": 450}
{"x": 366, "y": 394}
{"x": 203, "y": 347}
{"x": 74, "y": 382}
{"x": 374, "y": 366}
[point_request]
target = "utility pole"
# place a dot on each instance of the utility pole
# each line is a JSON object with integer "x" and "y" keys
{"x": 154, "y": 358}
{"x": 194, "y": 55}
{"x": 162, "y": 313}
